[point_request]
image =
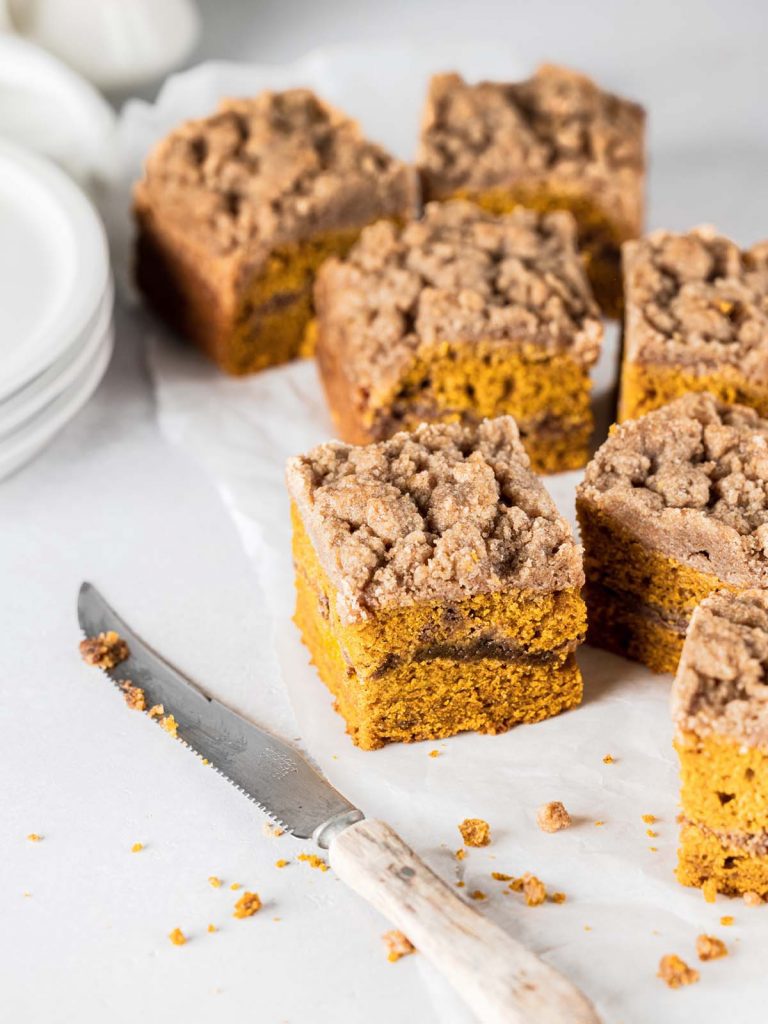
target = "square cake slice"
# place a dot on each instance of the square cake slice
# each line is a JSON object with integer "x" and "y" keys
{"x": 462, "y": 316}
{"x": 720, "y": 712}
{"x": 438, "y": 587}
{"x": 554, "y": 141}
{"x": 673, "y": 506}
{"x": 237, "y": 210}
{"x": 696, "y": 319}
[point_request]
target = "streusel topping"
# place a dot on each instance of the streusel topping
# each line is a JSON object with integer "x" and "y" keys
{"x": 722, "y": 680}
{"x": 458, "y": 275}
{"x": 270, "y": 169}
{"x": 691, "y": 479}
{"x": 444, "y": 514}
{"x": 699, "y": 301}
{"x": 558, "y": 122}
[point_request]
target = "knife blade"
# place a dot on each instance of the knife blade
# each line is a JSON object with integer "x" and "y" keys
{"x": 498, "y": 978}
{"x": 269, "y": 772}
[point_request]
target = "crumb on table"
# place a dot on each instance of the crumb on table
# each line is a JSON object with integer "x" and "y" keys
{"x": 726, "y": 920}
{"x": 134, "y": 695}
{"x": 248, "y": 904}
{"x": 558, "y": 897}
{"x": 709, "y": 947}
{"x": 475, "y": 832}
{"x": 235, "y": 886}
{"x": 212, "y": 928}
{"x": 434, "y": 753}
{"x": 534, "y": 890}
{"x": 274, "y": 831}
{"x": 105, "y": 650}
{"x": 553, "y": 817}
{"x": 281, "y": 863}
{"x": 499, "y": 876}
{"x": 137, "y": 847}
{"x": 214, "y": 881}
{"x": 752, "y": 899}
{"x": 676, "y": 972}
{"x": 460, "y": 854}
{"x": 34, "y": 837}
{"x": 313, "y": 860}
{"x": 478, "y": 894}
{"x": 608, "y": 759}
{"x": 177, "y": 937}
{"x": 649, "y": 819}
{"x": 397, "y": 945}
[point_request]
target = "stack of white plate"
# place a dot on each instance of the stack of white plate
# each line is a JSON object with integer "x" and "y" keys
{"x": 56, "y": 298}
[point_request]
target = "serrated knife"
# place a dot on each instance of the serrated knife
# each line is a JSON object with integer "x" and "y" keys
{"x": 500, "y": 980}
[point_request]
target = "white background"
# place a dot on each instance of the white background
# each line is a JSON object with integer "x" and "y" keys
{"x": 112, "y": 501}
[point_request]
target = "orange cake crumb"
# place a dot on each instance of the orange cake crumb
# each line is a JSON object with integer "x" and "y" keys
{"x": 137, "y": 847}
{"x": 156, "y": 711}
{"x": 281, "y": 863}
{"x": 558, "y": 897}
{"x": 397, "y": 945}
{"x": 214, "y": 881}
{"x": 516, "y": 885}
{"x": 499, "y": 876}
{"x": 105, "y": 650}
{"x": 212, "y": 928}
{"x": 649, "y": 819}
{"x": 709, "y": 947}
{"x": 248, "y": 904}
{"x": 33, "y": 837}
{"x": 478, "y": 894}
{"x": 235, "y": 886}
{"x": 553, "y": 817}
{"x": 274, "y": 831}
{"x": 676, "y": 972}
{"x": 134, "y": 695}
{"x": 599, "y": 823}
{"x": 170, "y": 725}
{"x": 460, "y": 854}
{"x": 475, "y": 832}
{"x": 653, "y": 849}
{"x": 608, "y": 759}
{"x": 534, "y": 890}
{"x": 177, "y": 937}
{"x": 650, "y": 833}
{"x": 461, "y": 884}
{"x": 313, "y": 860}
{"x": 752, "y": 899}
{"x": 726, "y": 920}
{"x": 709, "y": 890}
{"x": 434, "y": 753}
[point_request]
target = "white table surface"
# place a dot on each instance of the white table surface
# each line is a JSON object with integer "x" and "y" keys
{"x": 111, "y": 501}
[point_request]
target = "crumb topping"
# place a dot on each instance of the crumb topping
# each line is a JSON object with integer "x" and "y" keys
{"x": 270, "y": 169}
{"x": 709, "y": 947}
{"x": 248, "y": 905}
{"x": 676, "y": 972}
{"x": 553, "y": 817}
{"x": 556, "y": 124}
{"x": 690, "y": 479}
{"x": 458, "y": 275}
{"x": 105, "y": 650}
{"x": 475, "y": 832}
{"x": 721, "y": 685}
{"x": 697, "y": 300}
{"x": 444, "y": 514}
{"x": 397, "y": 945}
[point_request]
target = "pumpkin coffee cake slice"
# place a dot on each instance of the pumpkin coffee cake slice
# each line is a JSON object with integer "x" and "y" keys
{"x": 720, "y": 710}
{"x": 673, "y": 506}
{"x": 438, "y": 587}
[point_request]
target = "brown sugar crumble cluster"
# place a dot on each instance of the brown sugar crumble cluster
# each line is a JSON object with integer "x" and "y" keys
{"x": 696, "y": 320}
{"x": 459, "y": 316}
{"x": 475, "y": 832}
{"x": 237, "y": 210}
{"x": 676, "y": 972}
{"x": 672, "y": 507}
{"x": 105, "y": 651}
{"x": 553, "y": 141}
{"x": 397, "y": 945}
{"x": 553, "y": 817}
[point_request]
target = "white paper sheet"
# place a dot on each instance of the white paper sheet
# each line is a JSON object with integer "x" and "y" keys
{"x": 624, "y": 909}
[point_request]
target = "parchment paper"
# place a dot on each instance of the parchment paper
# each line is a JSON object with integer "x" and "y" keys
{"x": 624, "y": 909}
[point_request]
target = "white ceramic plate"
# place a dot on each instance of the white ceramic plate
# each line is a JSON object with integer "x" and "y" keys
{"x": 23, "y": 444}
{"x": 54, "y": 265}
{"x": 24, "y": 404}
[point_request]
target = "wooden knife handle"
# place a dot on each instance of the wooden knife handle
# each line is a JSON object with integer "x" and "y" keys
{"x": 495, "y": 975}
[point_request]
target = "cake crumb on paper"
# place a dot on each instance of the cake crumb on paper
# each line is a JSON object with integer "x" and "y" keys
{"x": 726, "y": 920}
{"x": 214, "y": 881}
{"x": 434, "y": 753}
{"x": 709, "y": 947}
{"x": 397, "y": 945}
{"x": 137, "y": 847}
{"x": 273, "y": 831}
{"x": 460, "y": 854}
{"x": 177, "y": 937}
{"x": 475, "y": 832}
{"x": 752, "y": 899}
{"x": 553, "y": 817}
{"x": 649, "y": 819}
{"x": 499, "y": 876}
{"x": 248, "y": 905}
{"x": 478, "y": 894}
{"x": 35, "y": 837}
{"x": 609, "y": 759}
{"x": 212, "y": 928}
{"x": 558, "y": 897}
{"x": 313, "y": 860}
{"x": 282, "y": 863}
{"x": 105, "y": 650}
{"x": 676, "y": 972}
